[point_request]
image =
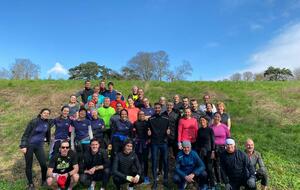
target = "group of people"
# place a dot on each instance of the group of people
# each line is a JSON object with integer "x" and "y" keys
{"x": 99, "y": 135}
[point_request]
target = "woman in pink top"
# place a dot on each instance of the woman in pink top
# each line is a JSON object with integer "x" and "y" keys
{"x": 187, "y": 128}
{"x": 132, "y": 110}
{"x": 221, "y": 133}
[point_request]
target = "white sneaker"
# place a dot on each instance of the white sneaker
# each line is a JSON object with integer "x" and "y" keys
{"x": 130, "y": 188}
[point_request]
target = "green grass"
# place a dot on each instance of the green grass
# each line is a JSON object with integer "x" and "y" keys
{"x": 268, "y": 112}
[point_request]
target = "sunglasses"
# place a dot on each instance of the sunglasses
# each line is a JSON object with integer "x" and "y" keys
{"x": 64, "y": 147}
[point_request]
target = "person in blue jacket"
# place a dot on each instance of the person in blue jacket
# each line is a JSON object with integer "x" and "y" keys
{"x": 189, "y": 168}
{"x": 121, "y": 130}
{"x": 62, "y": 129}
{"x": 32, "y": 142}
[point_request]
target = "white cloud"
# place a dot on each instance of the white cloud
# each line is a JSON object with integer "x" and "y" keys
{"x": 255, "y": 27}
{"x": 282, "y": 51}
{"x": 58, "y": 69}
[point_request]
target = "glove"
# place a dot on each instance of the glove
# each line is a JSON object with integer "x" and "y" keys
{"x": 228, "y": 186}
{"x": 251, "y": 182}
{"x": 129, "y": 178}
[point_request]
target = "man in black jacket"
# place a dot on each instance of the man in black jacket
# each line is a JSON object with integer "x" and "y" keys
{"x": 95, "y": 166}
{"x": 236, "y": 168}
{"x": 160, "y": 129}
{"x": 85, "y": 93}
{"x": 126, "y": 167}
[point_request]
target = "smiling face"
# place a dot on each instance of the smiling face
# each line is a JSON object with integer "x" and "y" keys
{"x": 128, "y": 148}
{"x": 230, "y": 148}
{"x": 186, "y": 149}
{"x": 157, "y": 108}
{"x": 65, "y": 112}
{"x": 95, "y": 114}
{"x": 95, "y": 146}
{"x": 188, "y": 113}
{"x": 73, "y": 99}
{"x": 64, "y": 148}
{"x": 124, "y": 115}
{"x": 203, "y": 122}
{"x": 106, "y": 102}
{"x": 45, "y": 114}
{"x": 249, "y": 145}
{"x": 217, "y": 118}
{"x": 82, "y": 114}
{"x": 141, "y": 116}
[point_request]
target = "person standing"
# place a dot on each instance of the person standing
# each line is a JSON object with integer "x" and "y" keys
{"x": 32, "y": 142}
{"x": 159, "y": 127}
{"x": 85, "y": 93}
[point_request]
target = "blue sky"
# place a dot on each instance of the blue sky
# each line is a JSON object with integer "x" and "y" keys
{"x": 218, "y": 37}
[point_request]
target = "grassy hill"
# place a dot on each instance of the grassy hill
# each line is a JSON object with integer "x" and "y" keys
{"x": 268, "y": 112}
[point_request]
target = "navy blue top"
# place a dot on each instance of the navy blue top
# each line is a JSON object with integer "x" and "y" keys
{"x": 62, "y": 127}
{"x": 81, "y": 128}
{"x": 39, "y": 133}
{"x": 112, "y": 95}
{"x": 121, "y": 127}
{"x": 98, "y": 128}
{"x": 148, "y": 111}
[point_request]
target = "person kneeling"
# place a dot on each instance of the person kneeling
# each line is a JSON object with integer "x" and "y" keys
{"x": 95, "y": 166}
{"x": 63, "y": 168}
{"x": 126, "y": 167}
{"x": 189, "y": 168}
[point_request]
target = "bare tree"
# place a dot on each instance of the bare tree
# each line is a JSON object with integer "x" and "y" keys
{"x": 297, "y": 73}
{"x": 24, "y": 69}
{"x": 259, "y": 76}
{"x": 142, "y": 64}
{"x": 248, "y": 76}
{"x": 180, "y": 72}
{"x": 236, "y": 77}
{"x": 160, "y": 61}
{"x": 4, "y": 74}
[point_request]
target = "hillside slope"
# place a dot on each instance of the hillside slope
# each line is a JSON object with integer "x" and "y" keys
{"x": 268, "y": 112}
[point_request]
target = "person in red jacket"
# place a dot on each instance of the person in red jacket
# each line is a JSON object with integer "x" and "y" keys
{"x": 187, "y": 128}
{"x": 113, "y": 103}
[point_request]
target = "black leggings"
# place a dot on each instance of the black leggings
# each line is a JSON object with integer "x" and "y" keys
{"x": 206, "y": 158}
{"x": 40, "y": 156}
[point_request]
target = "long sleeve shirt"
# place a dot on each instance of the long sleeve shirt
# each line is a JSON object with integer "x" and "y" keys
{"x": 187, "y": 130}
{"x": 206, "y": 139}
{"x": 158, "y": 126}
{"x": 236, "y": 166}
{"x": 221, "y": 133}
{"x": 256, "y": 160}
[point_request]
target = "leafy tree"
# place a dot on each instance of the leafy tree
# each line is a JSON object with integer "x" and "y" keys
{"x": 129, "y": 74}
{"x": 24, "y": 69}
{"x": 84, "y": 71}
{"x": 248, "y": 76}
{"x": 277, "y": 74}
{"x": 236, "y": 77}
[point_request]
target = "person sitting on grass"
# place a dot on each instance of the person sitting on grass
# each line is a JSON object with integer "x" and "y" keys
{"x": 126, "y": 167}
{"x": 95, "y": 166}
{"x": 255, "y": 159}
{"x": 63, "y": 168}
{"x": 189, "y": 168}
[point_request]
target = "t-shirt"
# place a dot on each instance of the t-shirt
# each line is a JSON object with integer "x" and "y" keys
{"x": 105, "y": 113}
{"x": 62, "y": 127}
{"x": 133, "y": 114}
{"x": 63, "y": 164}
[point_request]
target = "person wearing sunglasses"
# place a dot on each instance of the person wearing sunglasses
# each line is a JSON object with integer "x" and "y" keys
{"x": 63, "y": 168}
